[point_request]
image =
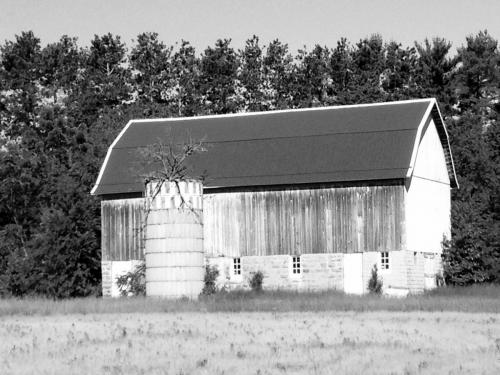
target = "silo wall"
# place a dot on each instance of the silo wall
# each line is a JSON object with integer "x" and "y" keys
{"x": 174, "y": 239}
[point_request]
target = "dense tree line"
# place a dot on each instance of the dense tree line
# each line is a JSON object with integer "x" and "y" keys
{"x": 61, "y": 105}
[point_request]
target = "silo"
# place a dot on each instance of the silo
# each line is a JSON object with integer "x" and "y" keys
{"x": 174, "y": 239}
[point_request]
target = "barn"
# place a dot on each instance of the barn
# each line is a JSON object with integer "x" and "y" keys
{"x": 313, "y": 198}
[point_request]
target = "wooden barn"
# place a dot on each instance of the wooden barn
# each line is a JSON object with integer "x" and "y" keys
{"x": 313, "y": 198}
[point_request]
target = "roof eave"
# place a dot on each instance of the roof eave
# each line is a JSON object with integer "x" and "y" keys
{"x": 106, "y": 159}
{"x": 445, "y": 140}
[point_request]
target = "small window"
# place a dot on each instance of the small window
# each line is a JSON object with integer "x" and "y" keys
{"x": 384, "y": 260}
{"x": 237, "y": 266}
{"x": 296, "y": 265}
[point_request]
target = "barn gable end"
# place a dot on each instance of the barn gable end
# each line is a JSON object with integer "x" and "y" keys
{"x": 428, "y": 197}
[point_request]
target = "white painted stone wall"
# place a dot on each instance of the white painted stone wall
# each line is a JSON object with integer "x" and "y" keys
{"x": 107, "y": 281}
{"x": 405, "y": 273}
{"x": 322, "y": 271}
{"x": 396, "y": 277}
{"x": 415, "y": 265}
{"x": 111, "y": 270}
{"x": 318, "y": 272}
{"x": 276, "y": 269}
{"x": 325, "y": 272}
{"x": 226, "y": 280}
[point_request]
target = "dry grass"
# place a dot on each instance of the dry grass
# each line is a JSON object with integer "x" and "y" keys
{"x": 484, "y": 298}
{"x": 252, "y": 343}
{"x": 449, "y": 331}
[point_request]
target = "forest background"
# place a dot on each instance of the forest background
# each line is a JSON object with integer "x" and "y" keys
{"x": 61, "y": 106}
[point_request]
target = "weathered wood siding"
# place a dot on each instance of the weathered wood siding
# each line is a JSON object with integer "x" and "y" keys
{"x": 121, "y": 223}
{"x": 314, "y": 220}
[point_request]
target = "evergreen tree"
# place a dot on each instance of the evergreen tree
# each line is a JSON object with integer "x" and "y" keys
{"x": 59, "y": 69}
{"x": 434, "y": 70}
{"x": 312, "y": 78}
{"x": 400, "y": 73}
{"x": 342, "y": 72}
{"x": 477, "y": 81}
{"x": 218, "y": 74}
{"x": 183, "y": 87}
{"x": 473, "y": 254}
{"x": 278, "y": 76}
{"x": 19, "y": 78}
{"x": 105, "y": 79}
{"x": 250, "y": 76}
{"x": 368, "y": 63}
{"x": 150, "y": 63}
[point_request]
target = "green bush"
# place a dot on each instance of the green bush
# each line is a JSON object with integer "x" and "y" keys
{"x": 211, "y": 274}
{"x": 256, "y": 281}
{"x": 133, "y": 283}
{"x": 375, "y": 284}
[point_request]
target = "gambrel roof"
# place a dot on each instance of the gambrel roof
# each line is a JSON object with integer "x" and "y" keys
{"x": 316, "y": 145}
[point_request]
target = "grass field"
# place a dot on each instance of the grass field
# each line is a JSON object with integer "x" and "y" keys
{"x": 485, "y": 298}
{"x": 447, "y": 332}
{"x": 252, "y": 343}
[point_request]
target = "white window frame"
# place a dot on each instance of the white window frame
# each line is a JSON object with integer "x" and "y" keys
{"x": 385, "y": 262}
{"x": 296, "y": 269}
{"x": 236, "y": 269}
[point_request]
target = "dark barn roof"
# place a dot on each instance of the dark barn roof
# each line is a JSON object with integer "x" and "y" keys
{"x": 317, "y": 145}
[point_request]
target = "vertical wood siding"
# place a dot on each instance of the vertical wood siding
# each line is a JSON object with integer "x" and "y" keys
{"x": 316, "y": 220}
{"x": 121, "y": 227}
